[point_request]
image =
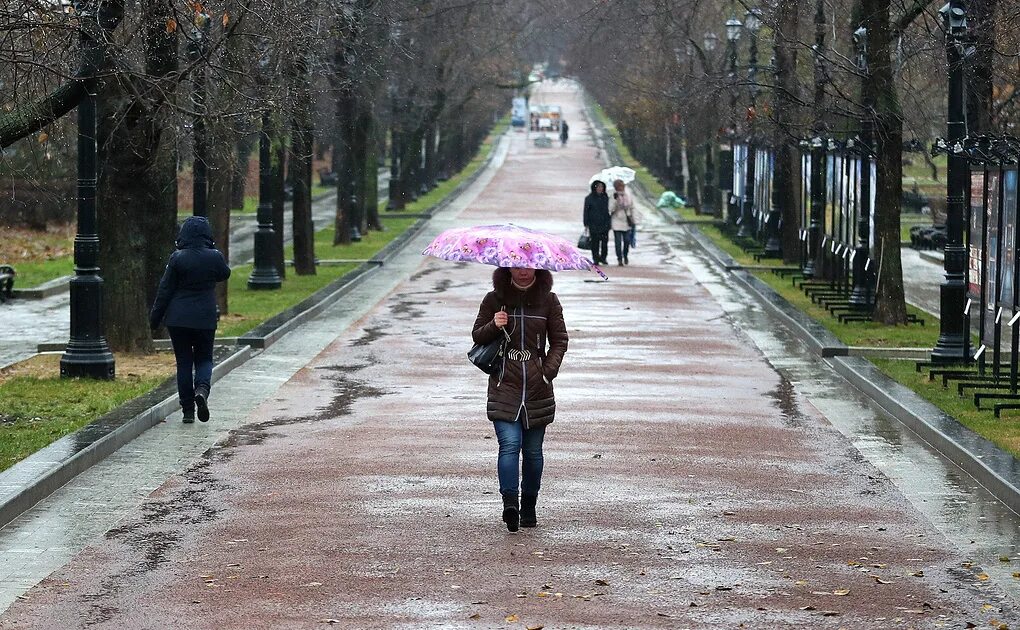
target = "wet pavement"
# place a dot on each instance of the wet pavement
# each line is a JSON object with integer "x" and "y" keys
{"x": 703, "y": 470}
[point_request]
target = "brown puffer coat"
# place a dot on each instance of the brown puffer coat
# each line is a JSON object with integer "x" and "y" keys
{"x": 536, "y": 320}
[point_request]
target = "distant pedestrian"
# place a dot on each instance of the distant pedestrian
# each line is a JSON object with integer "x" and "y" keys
{"x": 597, "y": 222}
{"x": 622, "y": 222}
{"x": 520, "y": 398}
{"x": 187, "y": 300}
{"x": 564, "y": 133}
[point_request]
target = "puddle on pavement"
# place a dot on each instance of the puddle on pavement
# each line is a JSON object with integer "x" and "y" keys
{"x": 369, "y": 336}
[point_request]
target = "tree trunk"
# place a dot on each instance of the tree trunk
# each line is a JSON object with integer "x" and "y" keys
{"x": 278, "y": 180}
{"x": 881, "y": 89}
{"x": 301, "y": 173}
{"x": 785, "y": 190}
{"x": 239, "y": 184}
{"x": 982, "y": 24}
{"x": 371, "y": 178}
{"x": 137, "y": 171}
{"x": 221, "y": 161}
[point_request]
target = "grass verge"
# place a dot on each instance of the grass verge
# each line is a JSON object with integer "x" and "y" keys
{"x": 1004, "y": 432}
{"x": 37, "y": 407}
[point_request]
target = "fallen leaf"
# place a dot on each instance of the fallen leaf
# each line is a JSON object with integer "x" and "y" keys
{"x": 982, "y": 576}
{"x": 541, "y": 594}
{"x": 312, "y": 584}
{"x": 512, "y": 618}
{"x": 226, "y": 19}
{"x": 880, "y": 580}
{"x": 171, "y": 25}
{"x": 330, "y": 621}
{"x": 830, "y": 613}
{"x": 535, "y": 627}
{"x": 841, "y": 591}
{"x": 807, "y": 607}
{"x": 602, "y": 582}
{"x": 918, "y": 574}
{"x": 475, "y": 616}
{"x": 1001, "y": 558}
{"x": 801, "y": 582}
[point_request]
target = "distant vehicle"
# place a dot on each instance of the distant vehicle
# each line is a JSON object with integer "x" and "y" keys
{"x": 545, "y": 117}
{"x": 519, "y": 112}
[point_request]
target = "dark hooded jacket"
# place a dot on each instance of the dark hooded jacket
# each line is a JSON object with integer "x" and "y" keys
{"x": 596, "y": 210}
{"x": 186, "y": 295}
{"x": 538, "y": 341}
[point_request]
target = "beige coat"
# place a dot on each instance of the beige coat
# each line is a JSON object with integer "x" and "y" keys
{"x": 623, "y": 207}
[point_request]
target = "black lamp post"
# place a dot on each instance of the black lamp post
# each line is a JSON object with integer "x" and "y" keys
{"x": 264, "y": 274}
{"x": 710, "y": 192}
{"x": 733, "y": 29}
{"x": 87, "y": 353}
{"x": 196, "y": 53}
{"x": 752, "y": 22}
{"x": 861, "y": 297}
{"x": 951, "y": 345}
{"x": 814, "y": 236}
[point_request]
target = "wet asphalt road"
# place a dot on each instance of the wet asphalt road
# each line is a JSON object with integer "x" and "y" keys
{"x": 691, "y": 478}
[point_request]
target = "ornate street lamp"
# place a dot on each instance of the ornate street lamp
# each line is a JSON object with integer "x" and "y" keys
{"x": 87, "y": 353}
{"x": 752, "y": 22}
{"x": 264, "y": 274}
{"x": 952, "y": 342}
{"x": 710, "y": 193}
{"x": 733, "y": 29}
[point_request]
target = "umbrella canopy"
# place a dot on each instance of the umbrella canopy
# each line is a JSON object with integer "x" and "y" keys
{"x": 509, "y": 245}
{"x": 613, "y": 173}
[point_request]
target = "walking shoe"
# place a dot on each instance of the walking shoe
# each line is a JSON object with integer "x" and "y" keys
{"x": 625, "y": 261}
{"x": 528, "y": 517}
{"x": 189, "y": 417}
{"x": 511, "y": 513}
{"x": 202, "y": 404}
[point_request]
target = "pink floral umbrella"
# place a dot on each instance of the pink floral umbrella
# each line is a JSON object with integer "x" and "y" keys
{"x": 509, "y": 245}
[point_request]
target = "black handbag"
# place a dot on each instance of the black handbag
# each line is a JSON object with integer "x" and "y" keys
{"x": 584, "y": 241}
{"x": 488, "y": 357}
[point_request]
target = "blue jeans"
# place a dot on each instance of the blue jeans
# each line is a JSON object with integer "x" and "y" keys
{"x": 621, "y": 239}
{"x": 193, "y": 350}
{"x": 515, "y": 441}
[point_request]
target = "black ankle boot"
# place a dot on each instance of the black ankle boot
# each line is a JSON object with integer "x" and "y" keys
{"x": 528, "y": 517}
{"x": 511, "y": 513}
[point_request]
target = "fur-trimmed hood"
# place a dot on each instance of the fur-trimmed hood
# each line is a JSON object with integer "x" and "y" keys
{"x": 502, "y": 284}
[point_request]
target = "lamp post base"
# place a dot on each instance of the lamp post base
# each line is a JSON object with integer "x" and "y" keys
{"x": 88, "y": 360}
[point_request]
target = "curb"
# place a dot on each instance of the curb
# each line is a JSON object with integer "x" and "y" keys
{"x": 993, "y": 468}
{"x": 44, "y": 290}
{"x": 31, "y": 480}
{"x": 34, "y": 478}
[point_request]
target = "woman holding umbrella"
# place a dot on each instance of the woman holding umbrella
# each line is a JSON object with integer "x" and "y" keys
{"x": 520, "y": 398}
{"x": 622, "y": 219}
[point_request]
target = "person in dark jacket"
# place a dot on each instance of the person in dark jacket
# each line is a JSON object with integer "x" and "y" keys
{"x": 597, "y": 221}
{"x": 520, "y": 398}
{"x": 186, "y": 299}
{"x": 564, "y": 133}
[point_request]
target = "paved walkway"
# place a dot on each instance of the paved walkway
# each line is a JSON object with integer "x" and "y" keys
{"x": 703, "y": 471}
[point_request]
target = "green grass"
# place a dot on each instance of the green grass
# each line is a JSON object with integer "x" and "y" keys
{"x": 909, "y": 220}
{"x": 1005, "y": 431}
{"x": 868, "y": 334}
{"x": 32, "y": 274}
{"x": 36, "y": 411}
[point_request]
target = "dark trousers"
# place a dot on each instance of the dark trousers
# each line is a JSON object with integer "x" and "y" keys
{"x": 193, "y": 350}
{"x": 599, "y": 246}
{"x": 622, "y": 241}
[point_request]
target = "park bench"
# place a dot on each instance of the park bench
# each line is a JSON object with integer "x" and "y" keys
{"x": 7, "y": 274}
{"x": 327, "y": 177}
{"x": 928, "y": 236}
